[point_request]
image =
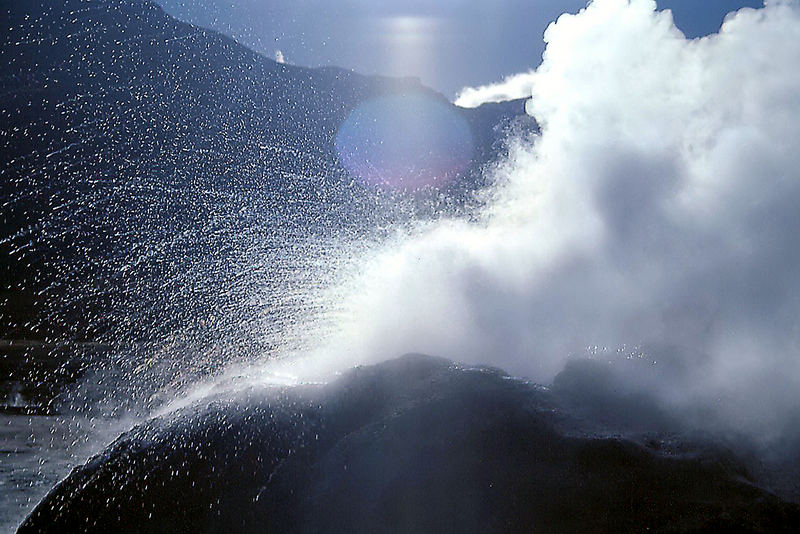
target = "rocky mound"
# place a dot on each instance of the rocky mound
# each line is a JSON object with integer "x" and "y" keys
{"x": 411, "y": 445}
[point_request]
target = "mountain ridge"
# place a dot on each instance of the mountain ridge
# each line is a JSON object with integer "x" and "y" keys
{"x": 110, "y": 104}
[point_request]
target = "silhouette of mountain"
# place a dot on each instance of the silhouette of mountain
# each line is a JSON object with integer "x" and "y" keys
{"x": 136, "y": 146}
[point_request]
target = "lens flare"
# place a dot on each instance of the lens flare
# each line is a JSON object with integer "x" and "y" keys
{"x": 405, "y": 142}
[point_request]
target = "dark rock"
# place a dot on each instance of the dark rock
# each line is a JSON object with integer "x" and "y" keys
{"x": 412, "y": 445}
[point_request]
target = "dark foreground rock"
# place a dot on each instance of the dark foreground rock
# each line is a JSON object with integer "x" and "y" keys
{"x": 411, "y": 445}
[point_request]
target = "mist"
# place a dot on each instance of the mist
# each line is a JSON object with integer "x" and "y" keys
{"x": 653, "y": 220}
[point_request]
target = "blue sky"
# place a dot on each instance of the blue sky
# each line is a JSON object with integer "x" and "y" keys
{"x": 449, "y": 44}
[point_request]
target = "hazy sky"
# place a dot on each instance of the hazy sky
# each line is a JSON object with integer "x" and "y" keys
{"x": 448, "y": 43}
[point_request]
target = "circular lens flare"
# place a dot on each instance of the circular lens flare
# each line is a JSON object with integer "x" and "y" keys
{"x": 405, "y": 142}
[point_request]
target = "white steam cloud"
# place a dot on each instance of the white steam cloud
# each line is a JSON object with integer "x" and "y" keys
{"x": 660, "y": 206}
{"x": 511, "y": 88}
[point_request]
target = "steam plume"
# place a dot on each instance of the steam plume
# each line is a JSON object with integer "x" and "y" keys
{"x": 658, "y": 208}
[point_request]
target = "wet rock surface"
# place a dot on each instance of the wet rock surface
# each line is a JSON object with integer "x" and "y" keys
{"x": 416, "y": 444}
